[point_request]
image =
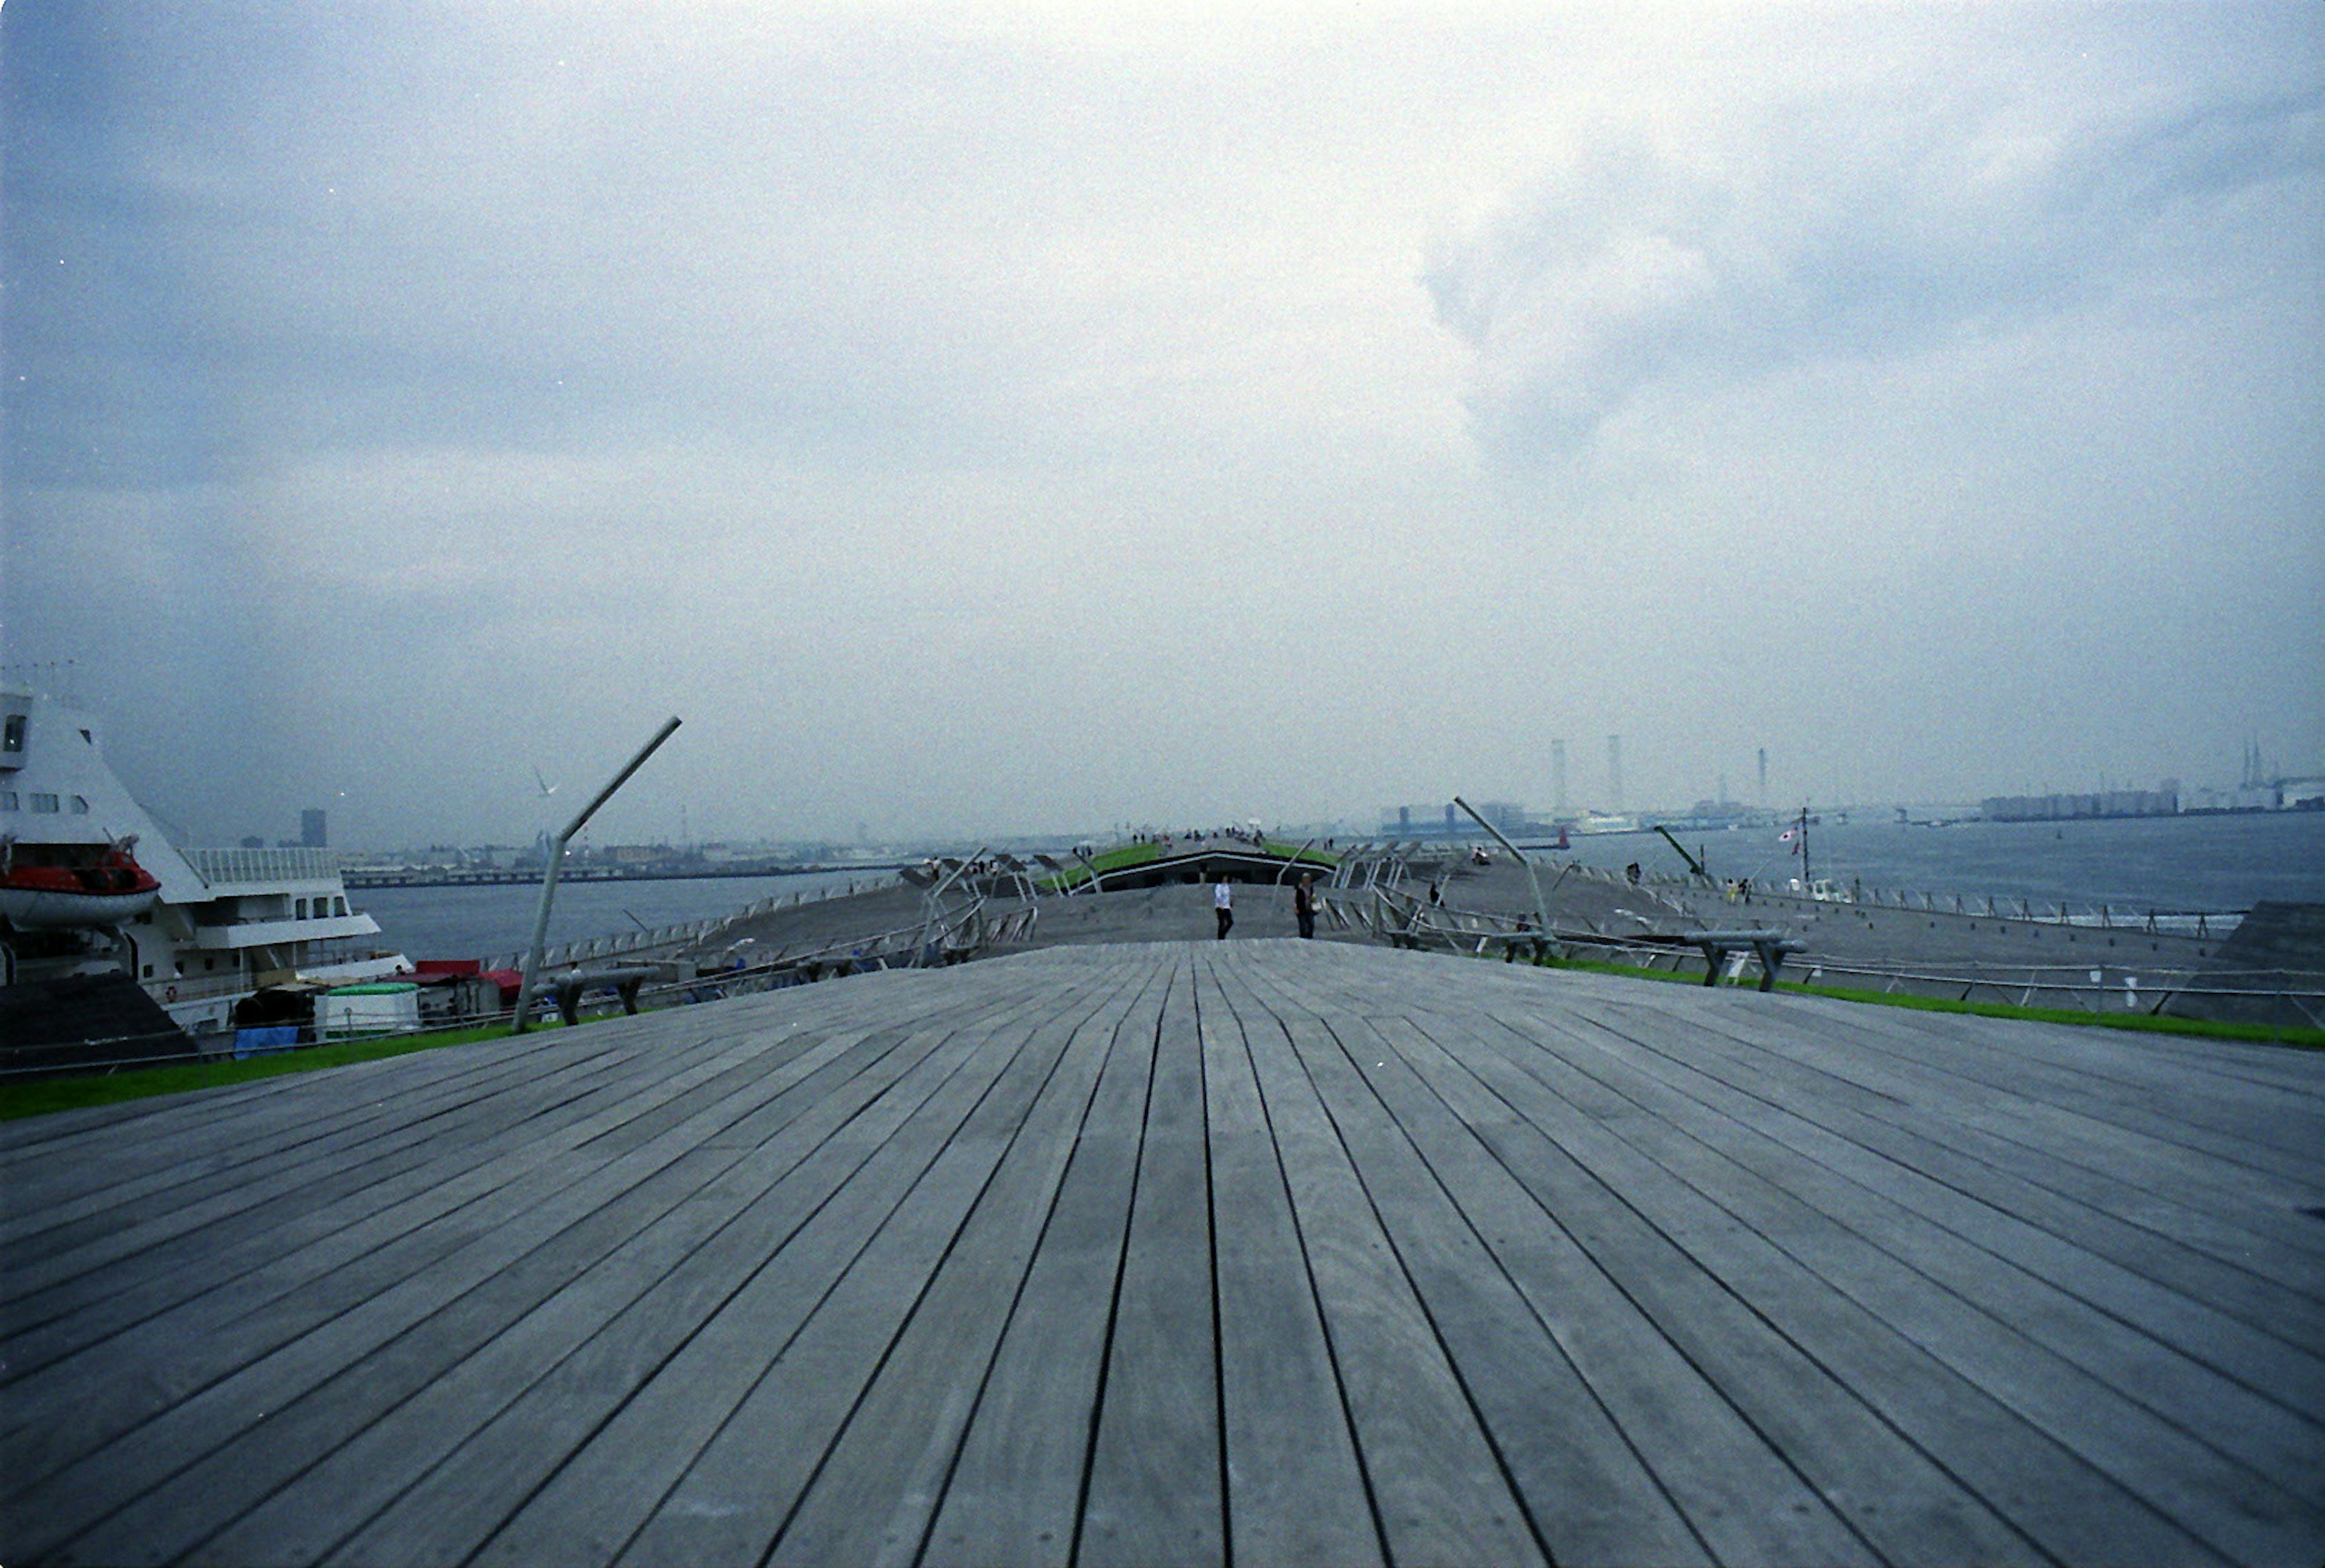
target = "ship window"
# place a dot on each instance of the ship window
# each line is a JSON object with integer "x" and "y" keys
{"x": 338, "y": 907}
{"x": 81, "y": 805}
{"x": 7, "y": 800}
{"x": 43, "y": 803}
{"x": 148, "y": 974}
{"x": 12, "y": 738}
{"x": 301, "y": 912}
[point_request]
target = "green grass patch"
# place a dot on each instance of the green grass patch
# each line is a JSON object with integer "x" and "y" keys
{"x": 1114, "y": 859}
{"x": 2147, "y": 1023}
{"x": 39, "y": 1096}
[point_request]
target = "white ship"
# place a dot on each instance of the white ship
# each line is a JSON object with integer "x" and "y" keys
{"x": 89, "y": 883}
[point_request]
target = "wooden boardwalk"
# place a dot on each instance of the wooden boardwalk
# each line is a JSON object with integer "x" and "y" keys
{"x": 1262, "y": 1251}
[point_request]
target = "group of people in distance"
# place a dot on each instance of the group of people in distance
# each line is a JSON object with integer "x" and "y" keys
{"x": 1303, "y": 905}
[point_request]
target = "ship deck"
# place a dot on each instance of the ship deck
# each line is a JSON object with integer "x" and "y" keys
{"x": 1261, "y": 1250}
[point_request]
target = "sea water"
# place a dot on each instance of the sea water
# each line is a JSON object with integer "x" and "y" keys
{"x": 482, "y": 923}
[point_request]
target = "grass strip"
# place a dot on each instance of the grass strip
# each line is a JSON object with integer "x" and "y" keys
{"x": 40, "y": 1096}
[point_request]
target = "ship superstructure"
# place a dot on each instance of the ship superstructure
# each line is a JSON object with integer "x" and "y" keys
{"x": 211, "y": 925}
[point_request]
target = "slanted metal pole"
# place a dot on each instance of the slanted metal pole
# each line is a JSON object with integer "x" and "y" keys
{"x": 557, "y": 860}
{"x": 1541, "y": 910}
{"x": 933, "y": 901}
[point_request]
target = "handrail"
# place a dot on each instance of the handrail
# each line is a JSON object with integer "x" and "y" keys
{"x": 282, "y": 864}
{"x": 2206, "y": 924}
{"x": 2148, "y": 988}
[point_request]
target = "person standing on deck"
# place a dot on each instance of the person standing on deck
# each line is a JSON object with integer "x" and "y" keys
{"x": 1223, "y": 906}
{"x": 1303, "y": 905}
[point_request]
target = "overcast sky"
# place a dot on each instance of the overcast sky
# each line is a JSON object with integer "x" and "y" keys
{"x": 1016, "y": 417}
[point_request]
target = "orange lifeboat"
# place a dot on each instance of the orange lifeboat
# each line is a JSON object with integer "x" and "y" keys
{"x": 64, "y": 887}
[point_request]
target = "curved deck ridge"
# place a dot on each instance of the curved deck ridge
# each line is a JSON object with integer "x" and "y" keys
{"x": 1142, "y": 866}
{"x": 1179, "y": 1252}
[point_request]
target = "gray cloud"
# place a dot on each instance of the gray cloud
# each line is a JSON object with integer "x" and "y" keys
{"x": 1838, "y": 230}
{"x": 990, "y": 419}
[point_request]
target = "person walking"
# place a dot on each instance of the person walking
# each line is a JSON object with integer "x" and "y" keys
{"x": 1223, "y": 906}
{"x": 1303, "y": 905}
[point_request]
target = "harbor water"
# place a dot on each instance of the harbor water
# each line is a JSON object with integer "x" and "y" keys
{"x": 479, "y": 922}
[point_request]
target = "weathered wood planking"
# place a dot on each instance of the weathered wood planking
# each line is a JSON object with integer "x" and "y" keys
{"x": 1186, "y": 1252}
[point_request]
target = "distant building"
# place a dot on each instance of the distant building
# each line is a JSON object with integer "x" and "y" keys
{"x": 1414, "y": 822}
{"x": 313, "y": 834}
{"x": 2082, "y": 807}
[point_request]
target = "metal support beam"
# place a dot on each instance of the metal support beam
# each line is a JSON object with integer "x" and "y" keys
{"x": 557, "y": 860}
{"x": 1541, "y": 910}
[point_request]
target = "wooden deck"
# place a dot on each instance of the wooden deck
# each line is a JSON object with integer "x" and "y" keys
{"x": 1266, "y": 1251}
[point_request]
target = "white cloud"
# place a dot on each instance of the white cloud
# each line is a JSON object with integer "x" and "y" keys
{"x": 1845, "y": 229}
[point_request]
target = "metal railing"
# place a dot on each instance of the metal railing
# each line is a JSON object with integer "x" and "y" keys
{"x": 2291, "y": 996}
{"x": 631, "y": 944}
{"x": 2207, "y": 925}
{"x": 277, "y": 864}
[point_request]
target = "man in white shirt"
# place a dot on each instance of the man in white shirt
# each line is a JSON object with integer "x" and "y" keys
{"x": 1223, "y": 906}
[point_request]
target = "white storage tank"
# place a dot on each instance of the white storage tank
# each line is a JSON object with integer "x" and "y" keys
{"x": 382, "y": 1008}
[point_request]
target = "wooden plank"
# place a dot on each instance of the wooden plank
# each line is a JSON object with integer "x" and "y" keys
{"x": 706, "y": 1334}
{"x": 472, "y": 1285}
{"x": 2097, "y": 1260}
{"x": 1400, "y": 1249}
{"x": 2107, "y": 1167}
{"x": 2095, "y": 1384}
{"x": 1738, "y": 1492}
{"x": 230, "y": 1181}
{"x": 1154, "y": 1491}
{"x": 1894, "y": 1496}
{"x": 429, "y": 1480}
{"x": 2120, "y": 1198}
{"x": 319, "y": 1231}
{"x": 156, "y": 1141}
{"x": 62, "y": 1411}
{"x": 445, "y": 1512}
{"x": 1014, "y": 1494}
{"x": 735, "y": 1493}
{"x": 1896, "y": 1049}
{"x": 1295, "y": 1491}
{"x": 2034, "y": 1062}
{"x": 153, "y": 1494}
{"x": 875, "y": 1492}
{"x": 1439, "y": 1487}
{"x": 1963, "y": 1385}
{"x": 1586, "y": 1494}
